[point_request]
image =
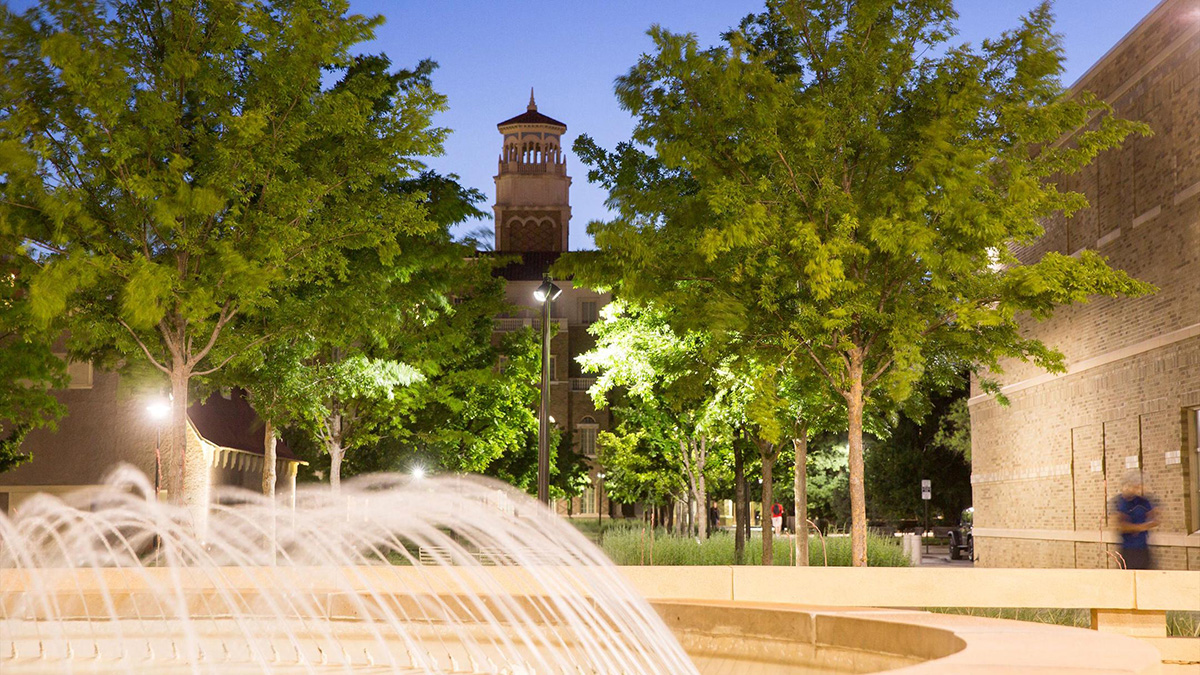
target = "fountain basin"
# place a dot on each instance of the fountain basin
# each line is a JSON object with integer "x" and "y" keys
{"x": 335, "y": 623}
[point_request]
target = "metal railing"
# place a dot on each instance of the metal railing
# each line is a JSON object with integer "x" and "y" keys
{"x": 509, "y": 324}
{"x": 582, "y": 383}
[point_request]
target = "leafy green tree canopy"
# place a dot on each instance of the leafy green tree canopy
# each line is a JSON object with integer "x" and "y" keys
{"x": 29, "y": 370}
{"x": 177, "y": 163}
{"x": 841, "y": 182}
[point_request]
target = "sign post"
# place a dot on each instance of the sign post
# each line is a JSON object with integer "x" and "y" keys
{"x": 926, "y": 495}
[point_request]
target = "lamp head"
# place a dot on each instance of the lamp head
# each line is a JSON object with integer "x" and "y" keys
{"x": 159, "y": 409}
{"x": 547, "y": 290}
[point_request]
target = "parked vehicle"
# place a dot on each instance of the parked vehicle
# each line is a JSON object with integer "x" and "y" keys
{"x": 961, "y": 540}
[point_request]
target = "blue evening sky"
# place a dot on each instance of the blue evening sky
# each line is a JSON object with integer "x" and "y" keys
{"x": 491, "y": 52}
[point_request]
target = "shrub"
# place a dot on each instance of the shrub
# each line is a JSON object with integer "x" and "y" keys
{"x": 631, "y": 546}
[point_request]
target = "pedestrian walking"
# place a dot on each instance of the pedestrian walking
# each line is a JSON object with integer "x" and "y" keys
{"x": 1135, "y": 516}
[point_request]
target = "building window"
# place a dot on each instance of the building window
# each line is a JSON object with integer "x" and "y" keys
{"x": 586, "y": 431}
{"x": 587, "y": 501}
{"x": 553, "y": 368}
{"x": 79, "y": 373}
{"x": 587, "y": 311}
{"x": 1191, "y": 447}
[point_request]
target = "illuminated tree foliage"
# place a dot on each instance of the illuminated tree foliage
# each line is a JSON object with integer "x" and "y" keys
{"x": 839, "y": 183}
{"x": 29, "y": 370}
{"x": 181, "y": 163}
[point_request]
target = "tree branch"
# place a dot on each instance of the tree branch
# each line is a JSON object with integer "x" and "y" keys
{"x": 145, "y": 349}
{"x": 259, "y": 340}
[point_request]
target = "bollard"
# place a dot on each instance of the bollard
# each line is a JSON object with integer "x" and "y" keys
{"x": 912, "y": 548}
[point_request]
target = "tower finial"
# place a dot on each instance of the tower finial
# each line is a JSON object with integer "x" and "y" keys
{"x": 532, "y": 107}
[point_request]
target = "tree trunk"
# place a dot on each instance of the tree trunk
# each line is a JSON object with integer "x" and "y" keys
{"x": 691, "y": 512}
{"x": 172, "y": 455}
{"x": 333, "y": 445}
{"x": 268, "y": 472}
{"x": 858, "y": 497}
{"x": 701, "y": 488}
{"x": 741, "y": 516}
{"x": 768, "y": 455}
{"x": 336, "y": 453}
{"x": 800, "y": 488}
{"x": 685, "y": 454}
{"x": 695, "y": 458}
{"x": 189, "y": 476}
{"x": 268, "y": 486}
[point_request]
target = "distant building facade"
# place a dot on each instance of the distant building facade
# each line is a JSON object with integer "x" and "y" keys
{"x": 532, "y": 221}
{"x": 1046, "y": 468}
{"x": 106, "y": 426}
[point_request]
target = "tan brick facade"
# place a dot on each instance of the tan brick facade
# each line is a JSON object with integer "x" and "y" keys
{"x": 1046, "y": 467}
{"x": 532, "y": 218}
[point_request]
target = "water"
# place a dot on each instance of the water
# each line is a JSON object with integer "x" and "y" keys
{"x": 441, "y": 575}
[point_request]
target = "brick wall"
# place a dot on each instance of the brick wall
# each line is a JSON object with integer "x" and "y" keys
{"x": 1053, "y": 459}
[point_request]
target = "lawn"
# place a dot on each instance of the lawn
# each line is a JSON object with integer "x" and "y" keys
{"x": 1179, "y": 624}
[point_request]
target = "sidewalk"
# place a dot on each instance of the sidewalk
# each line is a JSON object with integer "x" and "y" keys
{"x": 939, "y": 556}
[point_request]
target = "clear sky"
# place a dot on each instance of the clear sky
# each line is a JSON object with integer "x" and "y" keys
{"x": 491, "y": 52}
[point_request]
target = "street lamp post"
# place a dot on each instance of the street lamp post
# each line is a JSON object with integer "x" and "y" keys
{"x": 546, "y": 294}
{"x": 599, "y": 500}
{"x": 158, "y": 410}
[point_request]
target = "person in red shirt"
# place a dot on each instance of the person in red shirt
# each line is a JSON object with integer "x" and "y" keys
{"x": 777, "y": 518}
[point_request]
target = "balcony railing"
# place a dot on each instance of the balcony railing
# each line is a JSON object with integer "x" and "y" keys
{"x": 582, "y": 383}
{"x": 509, "y": 324}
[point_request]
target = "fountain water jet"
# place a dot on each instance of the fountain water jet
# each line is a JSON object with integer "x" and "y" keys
{"x": 449, "y": 574}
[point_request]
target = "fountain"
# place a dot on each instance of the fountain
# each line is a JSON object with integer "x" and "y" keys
{"x": 450, "y": 574}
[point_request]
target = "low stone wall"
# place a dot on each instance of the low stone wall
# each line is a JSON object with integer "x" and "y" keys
{"x": 1128, "y": 602}
{"x": 772, "y": 618}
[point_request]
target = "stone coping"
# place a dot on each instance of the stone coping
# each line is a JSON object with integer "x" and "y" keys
{"x": 767, "y": 612}
{"x": 1153, "y": 590}
{"x": 917, "y": 643}
{"x": 907, "y": 587}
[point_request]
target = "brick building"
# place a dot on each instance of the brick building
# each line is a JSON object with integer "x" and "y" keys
{"x": 533, "y": 215}
{"x": 107, "y": 424}
{"x": 1046, "y": 467}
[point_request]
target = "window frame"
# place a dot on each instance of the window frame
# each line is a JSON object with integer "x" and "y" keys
{"x": 587, "y": 428}
{"x": 1191, "y": 466}
{"x": 588, "y": 318}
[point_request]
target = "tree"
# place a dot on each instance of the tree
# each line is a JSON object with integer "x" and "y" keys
{"x": 829, "y": 479}
{"x": 181, "y": 163}
{"x": 29, "y": 370}
{"x": 930, "y": 439}
{"x": 838, "y": 183}
{"x": 669, "y": 381}
{"x": 807, "y": 411}
{"x": 429, "y": 310}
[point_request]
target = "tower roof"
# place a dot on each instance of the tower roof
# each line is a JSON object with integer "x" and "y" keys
{"x": 532, "y": 116}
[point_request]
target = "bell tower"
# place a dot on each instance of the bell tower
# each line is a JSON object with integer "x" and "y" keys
{"x": 533, "y": 206}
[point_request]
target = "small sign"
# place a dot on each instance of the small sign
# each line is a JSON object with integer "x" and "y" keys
{"x": 926, "y": 490}
{"x": 1131, "y": 462}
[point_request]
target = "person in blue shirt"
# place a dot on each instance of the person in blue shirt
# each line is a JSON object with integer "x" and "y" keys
{"x": 1135, "y": 516}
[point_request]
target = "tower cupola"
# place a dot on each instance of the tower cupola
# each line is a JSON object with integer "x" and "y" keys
{"x": 532, "y": 187}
